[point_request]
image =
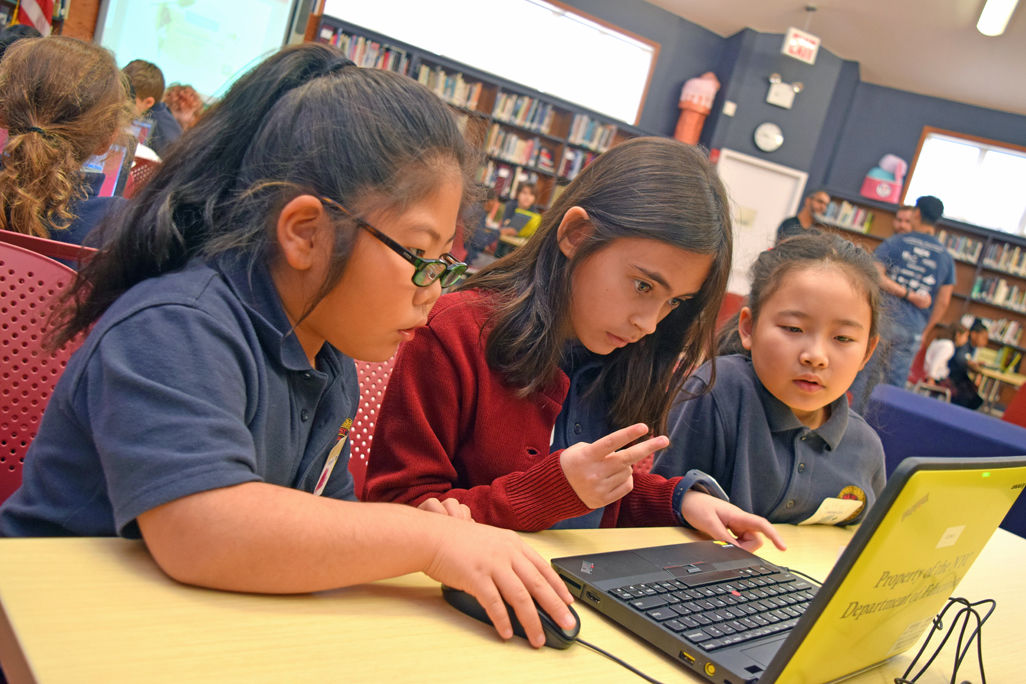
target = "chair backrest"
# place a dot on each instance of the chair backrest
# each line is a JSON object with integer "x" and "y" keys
{"x": 50, "y": 248}
{"x": 29, "y": 284}
{"x": 141, "y": 172}
{"x": 1015, "y": 412}
{"x": 373, "y": 379}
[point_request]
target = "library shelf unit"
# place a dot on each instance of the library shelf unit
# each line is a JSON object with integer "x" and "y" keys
{"x": 525, "y": 135}
{"x": 990, "y": 266}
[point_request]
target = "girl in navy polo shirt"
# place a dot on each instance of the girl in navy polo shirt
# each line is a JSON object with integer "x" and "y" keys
{"x": 776, "y": 430}
{"x": 522, "y": 396}
{"x": 304, "y": 220}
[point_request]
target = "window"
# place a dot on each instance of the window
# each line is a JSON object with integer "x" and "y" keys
{"x": 543, "y": 45}
{"x": 979, "y": 181}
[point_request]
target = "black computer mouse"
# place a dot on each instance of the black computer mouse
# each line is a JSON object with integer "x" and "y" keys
{"x": 555, "y": 636}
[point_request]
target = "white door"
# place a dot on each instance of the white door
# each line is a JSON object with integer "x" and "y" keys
{"x": 762, "y": 194}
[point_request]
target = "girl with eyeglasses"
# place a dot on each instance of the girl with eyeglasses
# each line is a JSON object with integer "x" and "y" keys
{"x": 532, "y": 391}
{"x": 304, "y": 221}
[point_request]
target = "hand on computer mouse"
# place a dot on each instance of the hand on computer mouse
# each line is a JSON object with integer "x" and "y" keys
{"x": 555, "y": 636}
{"x": 497, "y": 567}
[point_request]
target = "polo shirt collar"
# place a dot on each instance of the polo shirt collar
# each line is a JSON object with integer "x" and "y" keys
{"x": 250, "y": 280}
{"x": 781, "y": 418}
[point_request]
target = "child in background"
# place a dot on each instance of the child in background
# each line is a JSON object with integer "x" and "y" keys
{"x": 520, "y": 397}
{"x": 964, "y": 391}
{"x": 520, "y": 218}
{"x": 184, "y": 103}
{"x": 147, "y": 81}
{"x": 207, "y": 409}
{"x": 940, "y": 351}
{"x": 62, "y": 101}
{"x": 776, "y": 429}
{"x": 483, "y": 222}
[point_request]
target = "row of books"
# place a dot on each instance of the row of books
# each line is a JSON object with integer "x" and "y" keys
{"x": 997, "y": 291}
{"x": 524, "y": 110}
{"x": 847, "y": 215}
{"x": 591, "y": 133}
{"x": 366, "y": 52}
{"x": 511, "y": 147}
{"x": 961, "y": 247}
{"x": 450, "y": 87}
{"x": 573, "y": 161}
{"x": 1006, "y": 257}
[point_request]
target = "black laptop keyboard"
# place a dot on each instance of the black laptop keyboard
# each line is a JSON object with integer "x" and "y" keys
{"x": 714, "y": 612}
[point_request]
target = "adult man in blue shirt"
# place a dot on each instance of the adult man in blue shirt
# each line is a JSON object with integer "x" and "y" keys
{"x": 917, "y": 275}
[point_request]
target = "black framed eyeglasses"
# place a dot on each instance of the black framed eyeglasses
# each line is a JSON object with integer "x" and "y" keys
{"x": 448, "y": 269}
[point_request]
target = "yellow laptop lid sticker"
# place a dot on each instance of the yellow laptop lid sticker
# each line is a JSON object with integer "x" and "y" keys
{"x": 906, "y": 572}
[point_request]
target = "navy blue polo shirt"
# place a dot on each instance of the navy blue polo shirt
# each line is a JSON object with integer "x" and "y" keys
{"x": 584, "y": 417}
{"x": 768, "y": 462}
{"x": 191, "y": 381}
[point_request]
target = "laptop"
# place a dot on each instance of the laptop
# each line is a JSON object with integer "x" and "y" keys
{"x": 732, "y": 616}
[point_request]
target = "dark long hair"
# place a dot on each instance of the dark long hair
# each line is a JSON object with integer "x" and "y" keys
{"x": 811, "y": 248}
{"x": 653, "y": 188}
{"x": 304, "y": 121}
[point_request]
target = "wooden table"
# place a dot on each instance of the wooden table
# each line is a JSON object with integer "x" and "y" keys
{"x": 99, "y": 610}
{"x": 991, "y": 380}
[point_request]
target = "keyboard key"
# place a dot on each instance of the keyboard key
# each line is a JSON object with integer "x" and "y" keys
{"x": 697, "y": 636}
{"x": 675, "y": 625}
{"x": 648, "y": 602}
{"x": 661, "y": 614}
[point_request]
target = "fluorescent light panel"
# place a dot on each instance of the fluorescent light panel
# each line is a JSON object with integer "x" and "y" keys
{"x": 994, "y": 17}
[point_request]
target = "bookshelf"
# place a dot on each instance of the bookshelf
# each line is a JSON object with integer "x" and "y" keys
{"x": 525, "y": 135}
{"x": 990, "y": 266}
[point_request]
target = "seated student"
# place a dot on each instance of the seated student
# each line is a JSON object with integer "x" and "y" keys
{"x": 482, "y": 225}
{"x": 520, "y": 218}
{"x": 940, "y": 351}
{"x": 184, "y": 104}
{"x": 13, "y": 33}
{"x": 775, "y": 430}
{"x": 147, "y": 81}
{"x": 208, "y": 408}
{"x": 963, "y": 390}
{"x": 526, "y": 395}
{"x": 62, "y": 101}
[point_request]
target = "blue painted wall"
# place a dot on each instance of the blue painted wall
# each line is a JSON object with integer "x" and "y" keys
{"x": 748, "y": 85}
{"x": 839, "y": 127}
{"x": 882, "y": 120}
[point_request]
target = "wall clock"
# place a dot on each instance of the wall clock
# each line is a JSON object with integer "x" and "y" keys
{"x": 768, "y": 137}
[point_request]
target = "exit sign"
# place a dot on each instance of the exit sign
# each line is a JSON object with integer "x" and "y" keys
{"x": 800, "y": 45}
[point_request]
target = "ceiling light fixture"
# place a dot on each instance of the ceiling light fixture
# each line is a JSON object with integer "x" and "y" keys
{"x": 994, "y": 17}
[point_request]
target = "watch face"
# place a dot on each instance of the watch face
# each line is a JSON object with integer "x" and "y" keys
{"x": 768, "y": 137}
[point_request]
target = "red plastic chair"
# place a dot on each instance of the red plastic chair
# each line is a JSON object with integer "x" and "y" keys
{"x": 373, "y": 380}
{"x": 29, "y": 283}
{"x": 732, "y": 303}
{"x": 49, "y": 248}
{"x": 140, "y": 173}
{"x": 1015, "y": 412}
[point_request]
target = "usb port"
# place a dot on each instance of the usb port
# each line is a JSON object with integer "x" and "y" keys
{"x": 592, "y": 597}
{"x": 686, "y": 657}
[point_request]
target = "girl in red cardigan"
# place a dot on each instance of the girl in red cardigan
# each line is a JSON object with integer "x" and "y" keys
{"x": 526, "y": 394}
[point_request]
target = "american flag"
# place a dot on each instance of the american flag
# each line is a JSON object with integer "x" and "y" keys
{"x": 37, "y": 13}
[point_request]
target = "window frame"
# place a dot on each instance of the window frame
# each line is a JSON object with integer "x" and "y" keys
{"x": 983, "y": 145}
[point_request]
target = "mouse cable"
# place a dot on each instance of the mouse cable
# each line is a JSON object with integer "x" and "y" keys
{"x": 618, "y": 661}
{"x": 967, "y": 611}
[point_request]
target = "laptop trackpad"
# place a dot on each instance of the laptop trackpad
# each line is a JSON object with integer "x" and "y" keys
{"x": 763, "y": 653}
